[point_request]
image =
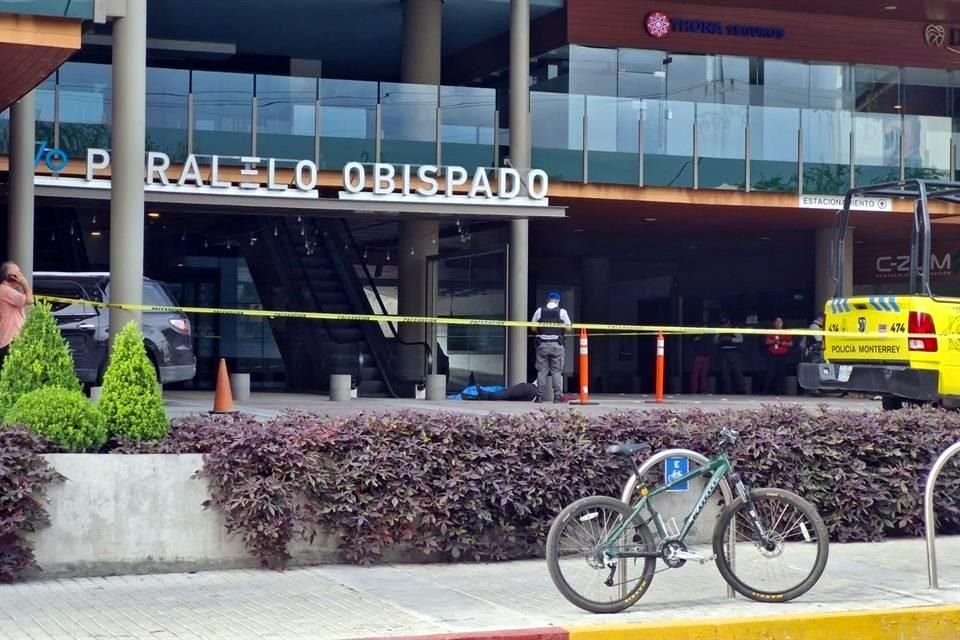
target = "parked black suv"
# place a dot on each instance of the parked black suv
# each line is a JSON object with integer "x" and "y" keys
{"x": 85, "y": 327}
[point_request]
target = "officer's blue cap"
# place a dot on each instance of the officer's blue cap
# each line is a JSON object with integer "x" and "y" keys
{"x": 553, "y": 295}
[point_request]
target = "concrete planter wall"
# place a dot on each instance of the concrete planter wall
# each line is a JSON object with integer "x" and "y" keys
{"x": 122, "y": 514}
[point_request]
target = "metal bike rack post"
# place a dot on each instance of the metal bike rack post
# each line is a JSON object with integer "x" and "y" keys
{"x": 702, "y": 460}
{"x": 929, "y": 517}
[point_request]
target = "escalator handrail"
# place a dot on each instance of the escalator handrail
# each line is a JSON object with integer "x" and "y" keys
{"x": 428, "y": 352}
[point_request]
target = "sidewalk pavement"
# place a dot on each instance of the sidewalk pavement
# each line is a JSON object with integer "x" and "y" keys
{"x": 346, "y": 602}
{"x": 268, "y": 405}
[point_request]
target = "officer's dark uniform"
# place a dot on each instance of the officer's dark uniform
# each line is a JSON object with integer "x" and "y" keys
{"x": 550, "y": 349}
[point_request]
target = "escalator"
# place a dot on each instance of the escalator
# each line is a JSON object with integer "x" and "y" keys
{"x": 310, "y": 267}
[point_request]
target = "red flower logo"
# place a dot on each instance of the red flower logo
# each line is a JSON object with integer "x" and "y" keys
{"x": 658, "y": 24}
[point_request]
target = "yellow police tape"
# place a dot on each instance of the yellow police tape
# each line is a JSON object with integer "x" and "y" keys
{"x": 623, "y": 329}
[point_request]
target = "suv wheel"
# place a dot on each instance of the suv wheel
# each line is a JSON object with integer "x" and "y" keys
{"x": 891, "y": 403}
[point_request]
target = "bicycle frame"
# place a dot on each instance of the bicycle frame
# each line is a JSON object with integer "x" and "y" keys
{"x": 720, "y": 467}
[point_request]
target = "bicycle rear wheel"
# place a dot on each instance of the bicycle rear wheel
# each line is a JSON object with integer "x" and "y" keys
{"x": 793, "y": 561}
{"x": 575, "y": 556}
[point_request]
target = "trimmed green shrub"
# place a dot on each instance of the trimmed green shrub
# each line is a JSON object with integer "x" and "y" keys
{"x": 39, "y": 357}
{"x": 131, "y": 402}
{"x": 64, "y": 417}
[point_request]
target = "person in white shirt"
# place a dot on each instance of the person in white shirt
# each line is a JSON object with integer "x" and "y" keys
{"x": 550, "y": 349}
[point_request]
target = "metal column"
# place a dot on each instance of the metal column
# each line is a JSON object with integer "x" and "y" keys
{"x": 418, "y": 239}
{"x": 696, "y": 156}
{"x": 746, "y": 158}
{"x": 518, "y": 272}
{"x": 800, "y": 161}
{"x": 23, "y": 117}
{"x": 126, "y": 197}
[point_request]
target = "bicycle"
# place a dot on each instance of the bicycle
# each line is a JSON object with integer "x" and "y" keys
{"x": 604, "y": 534}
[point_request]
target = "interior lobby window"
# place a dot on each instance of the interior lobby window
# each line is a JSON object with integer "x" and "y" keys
{"x": 698, "y": 78}
{"x": 877, "y": 89}
{"x": 830, "y": 87}
{"x": 551, "y": 71}
{"x": 593, "y": 72}
{"x": 926, "y": 92}
{"x": 784, "y": 83}
{"x": 642, "y": 74}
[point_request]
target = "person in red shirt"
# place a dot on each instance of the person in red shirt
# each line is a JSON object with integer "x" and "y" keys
{"x": 778, "y": 350}
{"x": 15, "y": 295}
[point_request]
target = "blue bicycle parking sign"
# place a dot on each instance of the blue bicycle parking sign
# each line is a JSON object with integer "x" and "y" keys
{"x": 674, "y": 468}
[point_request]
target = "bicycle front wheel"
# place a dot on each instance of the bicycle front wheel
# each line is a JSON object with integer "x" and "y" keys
{"x": 575, "y": 555}
{"x": 788, "y": 563}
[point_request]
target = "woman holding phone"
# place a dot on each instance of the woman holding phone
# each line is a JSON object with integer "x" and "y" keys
{"x": 15, "y": 295}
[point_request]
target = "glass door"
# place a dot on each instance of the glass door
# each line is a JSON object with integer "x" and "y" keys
{"x": 471, "y": 285}
{"x": 200, "y": 288}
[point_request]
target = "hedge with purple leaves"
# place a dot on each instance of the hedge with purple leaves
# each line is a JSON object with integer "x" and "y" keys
{"x": 454, "y": 486}
{"x": 24, "y": 477}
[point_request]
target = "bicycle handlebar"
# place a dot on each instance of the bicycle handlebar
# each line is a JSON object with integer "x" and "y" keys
{"x": 728, "y": 437}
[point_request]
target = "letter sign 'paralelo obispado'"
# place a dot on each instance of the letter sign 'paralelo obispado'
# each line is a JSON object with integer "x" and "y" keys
{"x": 428, "y": 183}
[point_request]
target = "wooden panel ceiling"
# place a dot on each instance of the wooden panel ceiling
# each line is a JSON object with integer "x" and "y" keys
{"x": 31, "y": 48}
{"x": 24, "y": 67}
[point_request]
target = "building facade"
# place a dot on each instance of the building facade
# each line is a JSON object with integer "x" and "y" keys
{"x": 655, "y": 162}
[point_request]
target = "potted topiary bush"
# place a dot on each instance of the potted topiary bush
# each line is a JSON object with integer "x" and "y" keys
{"x": 39, "y": 357}
{"x": 64, "y": 417}
{"x": 131, "y": 402}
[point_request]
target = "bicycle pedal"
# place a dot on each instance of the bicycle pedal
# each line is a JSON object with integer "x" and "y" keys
{"x": 693, "y": 557}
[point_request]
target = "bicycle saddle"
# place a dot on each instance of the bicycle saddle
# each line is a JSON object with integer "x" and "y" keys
{"x": 627, "y": 449}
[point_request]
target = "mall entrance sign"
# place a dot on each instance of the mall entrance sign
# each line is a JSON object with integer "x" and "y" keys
{"x": 254, "y": 172}
{"x": 422, "y": 184}
{"x": 379, "y": 182}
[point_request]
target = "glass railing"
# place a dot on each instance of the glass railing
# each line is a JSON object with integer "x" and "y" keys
{"x": 735, "y": 147}
{"x": 557, "y": 135}
{"x": 348, "y": 122}
{"x": 575, "y": 138}
{"x": 774, "y": 161}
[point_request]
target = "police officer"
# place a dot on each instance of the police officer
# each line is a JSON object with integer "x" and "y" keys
{"x": 550, "y": 350}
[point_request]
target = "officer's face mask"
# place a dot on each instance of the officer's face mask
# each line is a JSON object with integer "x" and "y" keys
{"x": 553, "y": 304}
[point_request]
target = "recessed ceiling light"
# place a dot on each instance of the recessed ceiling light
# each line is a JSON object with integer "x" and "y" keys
{"x": 890, "y": 7}
{"x": 649, "y": 219}
{"x": 898, "y": 107}
{"x": 153, "y": 214}
{"x": 95, "y": 234}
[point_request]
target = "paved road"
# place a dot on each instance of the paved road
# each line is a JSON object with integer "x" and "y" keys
{"x": 266, "y": 405}
{"x": 340, "y": 602}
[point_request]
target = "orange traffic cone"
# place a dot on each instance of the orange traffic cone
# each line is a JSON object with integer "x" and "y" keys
{"x": 223, "y": 398}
